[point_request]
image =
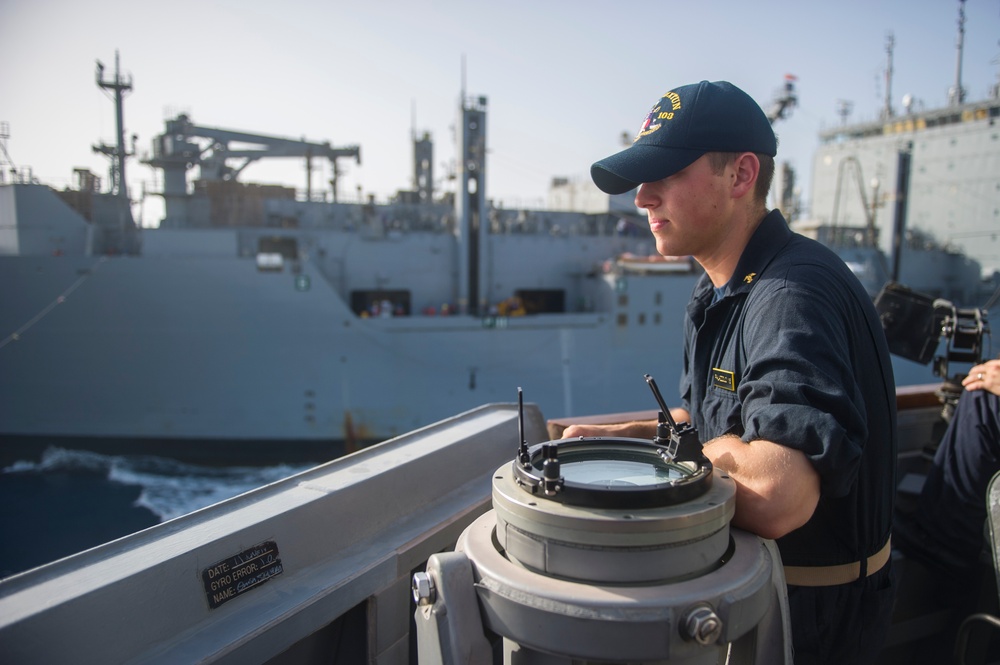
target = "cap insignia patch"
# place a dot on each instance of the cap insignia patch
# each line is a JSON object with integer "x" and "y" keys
{"x": 654, "y": 120}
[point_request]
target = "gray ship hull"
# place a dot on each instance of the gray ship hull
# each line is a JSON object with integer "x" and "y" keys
{"x": 180, "y": 344}
{"x": 213, "y": 349}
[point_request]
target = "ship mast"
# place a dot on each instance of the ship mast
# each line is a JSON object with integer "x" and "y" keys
{"x": 470, "y": 204}
{"x": 119, "y": 86}
{"x": 4, "y": 135}
{"x": 890, "y": 43}
{"x": 956, "y": 95}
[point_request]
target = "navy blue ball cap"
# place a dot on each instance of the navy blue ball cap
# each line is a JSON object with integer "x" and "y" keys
{"x": 683, "y": 125}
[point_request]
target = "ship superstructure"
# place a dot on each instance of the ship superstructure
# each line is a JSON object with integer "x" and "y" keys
{"x": 920, "y": 185}
{"x": 259, "y": 316}
{"x": 255, "y": 316}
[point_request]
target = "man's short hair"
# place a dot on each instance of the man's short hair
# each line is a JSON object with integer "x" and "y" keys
{"x": 719, "y": 160}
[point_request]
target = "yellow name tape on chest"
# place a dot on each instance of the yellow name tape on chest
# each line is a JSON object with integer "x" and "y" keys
{"x": 723, "y": 379}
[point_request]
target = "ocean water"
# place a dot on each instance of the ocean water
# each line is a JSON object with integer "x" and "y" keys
{"x": 67, "y": 501}
{"x": 71, "y": 500}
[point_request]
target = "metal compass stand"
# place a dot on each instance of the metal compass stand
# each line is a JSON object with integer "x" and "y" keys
{"x": 606, "y": 550}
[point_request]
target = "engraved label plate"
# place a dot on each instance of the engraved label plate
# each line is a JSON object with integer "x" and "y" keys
{"x": 238, "y": 574}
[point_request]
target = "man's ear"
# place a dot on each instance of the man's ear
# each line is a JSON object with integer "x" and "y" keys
{"x": 747, "y": 168}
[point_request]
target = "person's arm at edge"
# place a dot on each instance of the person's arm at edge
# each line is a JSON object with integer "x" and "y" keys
{"x": 636, "y": 429}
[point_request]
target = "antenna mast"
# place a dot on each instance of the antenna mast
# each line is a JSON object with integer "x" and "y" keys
{"x": 890, "y": 43}
{"x": 4, "y": 135}
{"x": 119, "y": 86}
{"x": 956, "y": 95}
{"x": 463, "y": 78}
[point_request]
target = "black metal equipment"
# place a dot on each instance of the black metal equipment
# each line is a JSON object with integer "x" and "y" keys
{"x": 915, "y": 324}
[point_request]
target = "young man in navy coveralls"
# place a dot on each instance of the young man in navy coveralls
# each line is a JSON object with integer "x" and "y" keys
{"x": 786, "y": 369}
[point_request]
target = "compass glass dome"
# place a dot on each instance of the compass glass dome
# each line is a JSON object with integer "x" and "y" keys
{"x": 618, "y": 468}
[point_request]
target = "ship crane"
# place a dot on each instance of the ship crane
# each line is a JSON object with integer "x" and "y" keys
{"x": 176, "y": 150}
{"x": 781, "y": 107}
{"x": 784, "y": 101}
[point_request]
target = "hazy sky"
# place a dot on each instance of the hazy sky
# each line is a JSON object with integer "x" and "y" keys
{"x": 564, "y": 80}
